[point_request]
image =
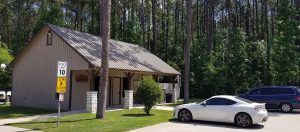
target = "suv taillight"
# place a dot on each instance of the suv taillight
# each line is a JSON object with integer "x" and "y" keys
{"x": 298, "y": 98}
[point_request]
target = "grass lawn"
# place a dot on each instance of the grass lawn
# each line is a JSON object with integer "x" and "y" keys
{"x": 180, "y": 102}
{"x": 7, "y": 111}
{"x": 115, "y": 121}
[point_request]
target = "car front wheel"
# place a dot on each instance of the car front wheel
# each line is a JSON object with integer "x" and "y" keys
{"x": 286, "y": 107}
{"x": 243, "y": 120}
{"x": 185, "y": 115}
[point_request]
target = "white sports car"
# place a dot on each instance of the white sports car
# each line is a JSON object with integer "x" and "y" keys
{"x": 223, "y": 108}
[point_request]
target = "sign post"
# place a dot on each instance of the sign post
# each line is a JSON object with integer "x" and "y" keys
{"x": 61, "y": 85}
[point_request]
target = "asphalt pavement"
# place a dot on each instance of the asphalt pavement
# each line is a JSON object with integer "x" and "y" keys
{"x": 277, "y": 122}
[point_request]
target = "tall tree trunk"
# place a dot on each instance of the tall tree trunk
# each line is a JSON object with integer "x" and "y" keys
{"x": 124, "y": 20}
{"x": 267, "y": 38}
{"x": 154, "y": 41}
{"x": 187, "y": 50}
{"x": 236, "y": 16}
{"x": 297, "y": 42}
{"x": 149, "y": 29}
{"x": 81, "y": 25}
{"x": 18, "y": 46}
{"x": 105, "y": 36}
{"x": 206, "y": 23}
{"x": 257, "y": 19}
{"x": 98, "y": 22}
{"x": 92, "y": 26}
{"x": 163, "y": 25}
{"x": 247, "y": 21}
{"x": 182, "y": 24}
{"x": 198, "y": 19}
{"x": 143, "y": 24}
{"x": 210, "y": 24}
{"x": 229, "y": 15}
{"x": 114, "y": 27}
{"x": 77, "y": 14}
{"x": 253, "y": 21}
{"x": 168, "y": 3}
{"x": 176, "y": 23}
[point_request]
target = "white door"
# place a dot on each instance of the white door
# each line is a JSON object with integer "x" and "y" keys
{"x": 213, "y": 113}
{"x": 213, "y": 110}
{"x": 116, "y": 91}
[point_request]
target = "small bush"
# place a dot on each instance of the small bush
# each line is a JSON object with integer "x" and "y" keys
{"x": 148, "y": 93}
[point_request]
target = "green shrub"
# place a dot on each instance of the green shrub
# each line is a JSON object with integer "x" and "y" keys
{"x": 148, "y": 93}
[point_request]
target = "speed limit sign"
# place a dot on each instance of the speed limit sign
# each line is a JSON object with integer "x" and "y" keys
{"x": 62, "y": 69}
{"x": 61, "y": 77}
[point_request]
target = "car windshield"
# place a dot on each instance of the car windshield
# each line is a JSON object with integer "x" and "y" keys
{"x": 244, "y": 100}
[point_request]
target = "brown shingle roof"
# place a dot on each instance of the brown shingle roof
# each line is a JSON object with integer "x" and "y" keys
{"x": 122, "y": 55}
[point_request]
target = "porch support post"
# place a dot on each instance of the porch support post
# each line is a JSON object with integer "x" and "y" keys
{"x": 92, "y": 81}
{"x": 156, "y": 77}
{"x": 174, "y": 95}
{"x": 174, "y": 89}
{"x": 129, "y": 76}
{"x": 91, "y": 101}
{"x": 93, "y": 74}
{"x": 128, "y": 101}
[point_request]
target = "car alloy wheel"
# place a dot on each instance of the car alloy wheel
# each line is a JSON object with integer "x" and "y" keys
{"x": 185, "y": 115}
{"x": 243, "y": 120}
{"x": 285, "y": 107}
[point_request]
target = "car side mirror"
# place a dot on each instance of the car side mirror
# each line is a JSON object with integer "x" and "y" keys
{"x": 203, "y": 104}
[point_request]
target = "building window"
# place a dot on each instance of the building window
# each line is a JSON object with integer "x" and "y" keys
{"x": 49, "y": 38}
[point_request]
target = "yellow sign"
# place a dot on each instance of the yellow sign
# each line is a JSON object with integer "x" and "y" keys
{"x": 61, "y": 85}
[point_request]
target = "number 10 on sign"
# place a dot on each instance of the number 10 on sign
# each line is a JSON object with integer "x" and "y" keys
{"x": 61, "y": 77}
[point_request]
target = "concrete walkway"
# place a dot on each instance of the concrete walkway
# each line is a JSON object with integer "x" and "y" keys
{"x": 14, "y": 129}
{"x": 138, "y": 106}
{"x": 158, "y": 107}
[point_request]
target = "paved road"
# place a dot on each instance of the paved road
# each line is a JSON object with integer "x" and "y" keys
{"x": 278, "y": 122}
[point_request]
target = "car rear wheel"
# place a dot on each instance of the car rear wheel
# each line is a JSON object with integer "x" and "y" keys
{"x": 286, "y": 107}
{"x": 243, "y": 120}
{"x": 185, "y": 115}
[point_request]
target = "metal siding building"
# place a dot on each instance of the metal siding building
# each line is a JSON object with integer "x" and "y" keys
{"x": 34, "y": 69}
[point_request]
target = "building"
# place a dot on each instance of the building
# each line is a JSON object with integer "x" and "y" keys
{"x": 34, "y": 69}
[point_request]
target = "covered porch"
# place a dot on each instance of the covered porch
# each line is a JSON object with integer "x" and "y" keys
{"x": 84, "y": 85}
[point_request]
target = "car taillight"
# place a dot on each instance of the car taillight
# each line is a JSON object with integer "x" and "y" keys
{"x": 258, "y": 109}
{"x": 298, "y": 98}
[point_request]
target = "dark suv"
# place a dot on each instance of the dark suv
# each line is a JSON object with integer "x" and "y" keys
{"x": 285, "y": 98}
